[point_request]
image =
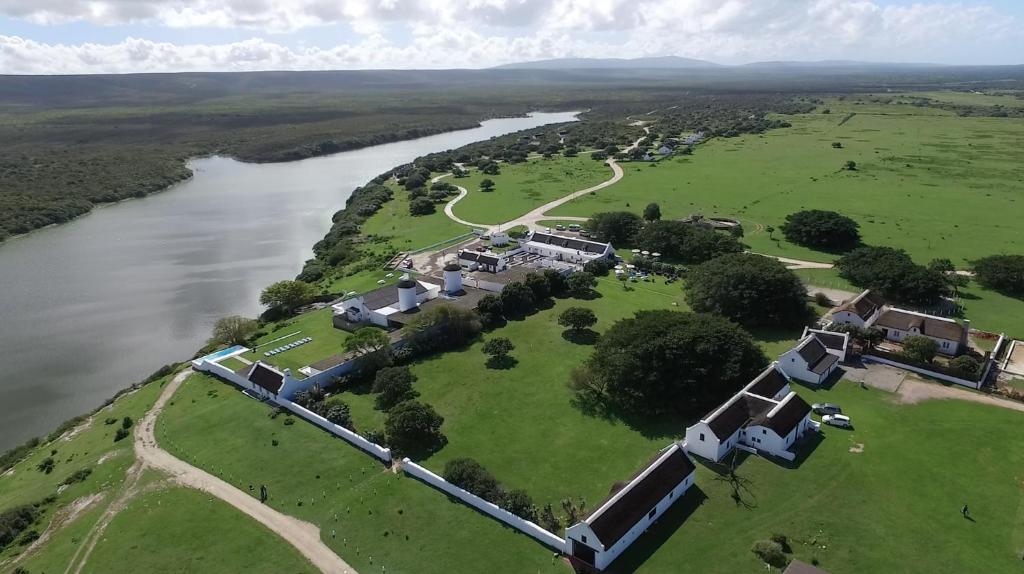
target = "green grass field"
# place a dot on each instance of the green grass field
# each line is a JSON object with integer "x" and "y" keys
{"x": 380, "y": 519}
{"x": 544, "y": 440}
{"x": 524, "y": 186}
{"x": 927, "y": 181}
{"x": 895, "y": 507}
{"x": 327, "y": 341}
{"x": 173, "y": 529}
{"x": 407, "y": 232}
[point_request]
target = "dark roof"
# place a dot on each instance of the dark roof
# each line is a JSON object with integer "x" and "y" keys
{"x": 864, "y": 305}
{"x": 453, "y": 266}
{"x": 768, "y": 383}
{"x": 736, "y": 415}
{"x": 380, "y": 298}
{"x": 798, "y": 567}
{"x": 465, "y": 299}
{"x": 816, "y": 355}
{"x": 266, "y": 378}
{"x": 479, "y": 257}
{"x": 792, "y": 411}
{"x": 931, "y": 326}
{"x": 640, "y": 496}
{"x": 832, "y": 340}
{"x": 406, "y": 284}
{"x": 569, "y": 242}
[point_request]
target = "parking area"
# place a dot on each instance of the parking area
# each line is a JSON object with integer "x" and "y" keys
{"x": 876, "y": 375}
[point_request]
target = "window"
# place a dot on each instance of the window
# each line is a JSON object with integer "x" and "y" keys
{"x": 671, "y": 495}
{"x": 701, "y": 437}
{"x": 652, "y": 512}
{"x": 945, "y": 344}
{"x": 764, "y": 431}
{"x": 583, "y": 539}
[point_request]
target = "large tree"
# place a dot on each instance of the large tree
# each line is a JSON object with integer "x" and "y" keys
{"x": 287, "y": 295}
{"x": 393, "y": 385}
{"x": 233, "y": 329}
{"x": 517, "y": 299}
{"x": 471, "y": 476}
{"x": 821, "y": 229}
{"x": 581, "y": 284}
{"x": 894, "y": 274}
{"x": 616, "y": 227}
{"x": 1003, "y": 273}
{"x": 414, "y": 428}
{"x": 749, "y": 289}
{"x": 371, "y": 346}
{"x": 663, "y": 361}
{"x": 652, "y": 212}
{"x": 680, "y": 241}
{"x": 577, "y": 318}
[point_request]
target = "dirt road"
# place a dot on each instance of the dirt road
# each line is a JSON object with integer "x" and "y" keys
{"x": 305, "y": 537}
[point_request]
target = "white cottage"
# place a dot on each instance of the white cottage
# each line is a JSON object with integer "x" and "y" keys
{"x": 898, "y": 324}
{"x": 809, "y": 361}
{"x": 859, "y": 311}
{"x": 378, "y": 306}
{"x": 571, "y": 249}
{"x": 836, "y": 343}
{"x": 601, "y": 537}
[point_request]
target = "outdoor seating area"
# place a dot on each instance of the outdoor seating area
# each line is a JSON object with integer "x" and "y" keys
{"x": 288, "y": 347}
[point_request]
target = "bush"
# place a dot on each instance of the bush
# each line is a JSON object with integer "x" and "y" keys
{"x": 770, "y": 552}
{"x": 121, "y": 434}
{"x": 110, "y": 420}
{"x": 393, "y": 385}
{"x": 822, "y": 299}
{"x": 663, "y": 361}
{"x": 490, "y": 309}
{"x": 414, "y": 428}
{"x": 893, "y": 274}
{"x": 520, "y": 503}
{"x": 289, "y": 421}
{"x": 919, "y": 348}
{"x": 581, "y": 284}
{"x": 652, "y": 212}
{"x": 577, "y": 318}
{"x": 340, "y": 414}
{"x": 14, "y": 521}
{"x": 616, "y": 227}
{"x": 1003, "y": 273}
{"x": 421, "y": 206}
{"x": 749, "y": 289}
{"x": 821, "y": 229}
{"x": 45, "y": 466}
{"x": 516, "y": 299}
{"x": 78, "y": 476}
{"x": 127, "y": 422}
{"x": 471, "y": 476}
{"x": 966, "y": 364}
{"x": 598, "y": 267}
{"x": 441, "y": 328}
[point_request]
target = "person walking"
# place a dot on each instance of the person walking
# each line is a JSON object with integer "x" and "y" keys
{"x": 965, "y": 511}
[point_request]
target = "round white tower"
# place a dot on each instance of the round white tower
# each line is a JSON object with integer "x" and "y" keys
{"x": 406, "y": 294}
{"x": 452, "y": 278}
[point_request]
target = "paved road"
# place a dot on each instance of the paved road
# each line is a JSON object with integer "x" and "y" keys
{"x": 530, "y": 219}
{"x": 304, "y": 536}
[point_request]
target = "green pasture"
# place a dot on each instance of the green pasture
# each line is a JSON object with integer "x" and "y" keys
{"x": 327, "y": 341}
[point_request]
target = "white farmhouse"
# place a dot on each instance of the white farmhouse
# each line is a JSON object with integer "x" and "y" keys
{"x": 571, "y": 249}
{"x": 859, "y": 311}
{"x": 898, "y": 324}
{"x": 380, "y": 305}
{"x": 836, "y": 343}
{"x": 809, "y": 361}
{"x": 630, "y": 511}
{"x": 763, "y": 422}
{"x": 475, "y": 261}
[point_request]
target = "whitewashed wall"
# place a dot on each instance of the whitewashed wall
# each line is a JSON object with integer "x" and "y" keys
{"x": 933, "y": 374}
{"x": 493, "y": 510}
{"x": 351, "y": 437}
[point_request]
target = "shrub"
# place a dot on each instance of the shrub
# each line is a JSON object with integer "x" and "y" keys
{"x": 892, "y": 273}
{"x": 822, "y": 299}
{"x": 127, "y": 422}
{"x": 289, "y": 421}
{"x": 652, "y": 212}
{"x": 471, "y": 476}
{"x": 581, "y": 283}
{"x": 1003, "y": 273}
{"x": 821, "y": 229}
{"x": 516, "y": 299}
{"x": 577, "y": 318}
{"x": 770, "y": 552}
{"x": 919, "y": 348}
{"x": 490, "y": 309}
{"x": 616, "y": 227}
{"x": 14, "y": 521}
{"x": 685, "y": 242}
{"x": 110, "y": 420}
{"x": 45, "y": 466}
{"x": 966, "y": 364}
{"x": 393, "y": 385}
{"x": 340, "y": 414}
{"x": 421, "y": 206}
{"x": 520, "y": 503}
{"x": 121, "y": 434}
{"x": 413, "y": 427}
{"x": 598, "y": 267}
{"x": 377, "y": 437}
{"x": 548, "y": 520}
{"x": 78, "y": 476}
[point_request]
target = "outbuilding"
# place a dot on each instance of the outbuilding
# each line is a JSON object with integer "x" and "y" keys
{"x": 810, "y": 361}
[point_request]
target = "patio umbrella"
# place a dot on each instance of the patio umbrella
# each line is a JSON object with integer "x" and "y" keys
{"x": 655, "y": 254}
{"x": 635, "y": 251}
{"x": 645, "y": 252}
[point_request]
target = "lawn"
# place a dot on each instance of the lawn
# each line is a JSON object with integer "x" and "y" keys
{"x": 327, "y": 341}
{"x": 522, "y": 187}
{"x": 927, "y": 181}
{"x": 407, "y": 232}
{"x": 381, "y": 520}
{"x": 895, "y": 507}
{"x": 520, "y": 423}
{"x": 171, "y": 529}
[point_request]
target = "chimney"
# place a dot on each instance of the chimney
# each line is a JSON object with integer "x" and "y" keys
{"x": 407, "y": 294}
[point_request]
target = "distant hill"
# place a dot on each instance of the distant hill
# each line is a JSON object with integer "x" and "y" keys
{"x": 837, "y": 64}
{"x": 659, "y": 62}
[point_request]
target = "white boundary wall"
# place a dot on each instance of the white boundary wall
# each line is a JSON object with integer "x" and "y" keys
{"x": 926, "y": 372}
{"x": 493, "y": 510}
{"x": 351, "y": 437}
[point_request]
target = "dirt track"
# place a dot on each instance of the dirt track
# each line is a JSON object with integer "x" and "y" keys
{"x": 305, "y": 537}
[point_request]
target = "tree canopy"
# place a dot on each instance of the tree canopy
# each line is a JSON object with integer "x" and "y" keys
{"x": 680, "y": 241}
{"x": 581, "y": 283}
{"x": 471, "y": 476}
{"x": 660, "y": 361}
{"x": 393, "y": 385}
{"x": 421, "y": 206}
{"x": 371, "y": 346}
{"x": 821, "y": 229}
{"x": 652, "y": 212}
{"x": 577, "y": 318}
{"x": 749, "y": 289}
{"x": 414, "y": 428}
{"x": 894, "y": 274}
{"x": 615, "y": 227}
{"x": 919, "y": 348}
{"x": 517, "y": 299}
{"x": 1003, "y": 273}
{"x": 233, "y": 329}
{"x": 287, "y": 295}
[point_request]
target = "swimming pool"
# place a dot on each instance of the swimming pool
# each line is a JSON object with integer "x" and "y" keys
{"x": 212, "y": 357}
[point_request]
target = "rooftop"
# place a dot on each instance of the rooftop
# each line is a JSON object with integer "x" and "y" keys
{"x": 768, "y": 383}
{"x": 929, "y": 325}
{"x": 863, "y": 305}
{"x": 740, "y": 410}
{"x": 569, "y": 242}
{"x": 818, "y": 359}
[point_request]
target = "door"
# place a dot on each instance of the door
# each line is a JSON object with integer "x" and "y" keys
{"x": 583, "y": 552}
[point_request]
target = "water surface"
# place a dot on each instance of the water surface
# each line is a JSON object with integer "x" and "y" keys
{"x": 90, "y": 307}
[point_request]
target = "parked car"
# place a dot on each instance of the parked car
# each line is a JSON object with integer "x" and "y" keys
{"x": 574, "y": 227}
{"x": 826, "y": 409}
{"x": 584, "y": 234}
{"x": 560, "y": 227}
{"x": 841, "y": 421}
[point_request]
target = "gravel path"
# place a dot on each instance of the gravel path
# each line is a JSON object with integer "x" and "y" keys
{"x": 305, "y": 537}
{"x": 913, "y": 391}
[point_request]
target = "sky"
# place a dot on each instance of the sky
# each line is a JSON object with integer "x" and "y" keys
{"x": 124, "y": 36}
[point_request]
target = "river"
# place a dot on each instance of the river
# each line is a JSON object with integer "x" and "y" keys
{"x": 92, "y": 306}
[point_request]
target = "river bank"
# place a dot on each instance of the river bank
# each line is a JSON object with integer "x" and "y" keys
{"x": 107, "y": 297}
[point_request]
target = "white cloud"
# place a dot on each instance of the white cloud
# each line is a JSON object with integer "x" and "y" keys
{"x": 478, "y": 33}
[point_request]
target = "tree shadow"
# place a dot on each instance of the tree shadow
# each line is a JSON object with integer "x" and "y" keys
{"x": 425, "y": 451}
{"x": 581, "y": 337}
{"x": 803, "y": 448}
{"x": 659, "y": 533}
{"x": 502, "y": 363}
{"x": 650, "y": 426}
{"x": 590, "y": 295}
{"x": 544, "y": 304}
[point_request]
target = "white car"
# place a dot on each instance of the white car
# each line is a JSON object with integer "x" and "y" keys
{"x": 841, "y": 421}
